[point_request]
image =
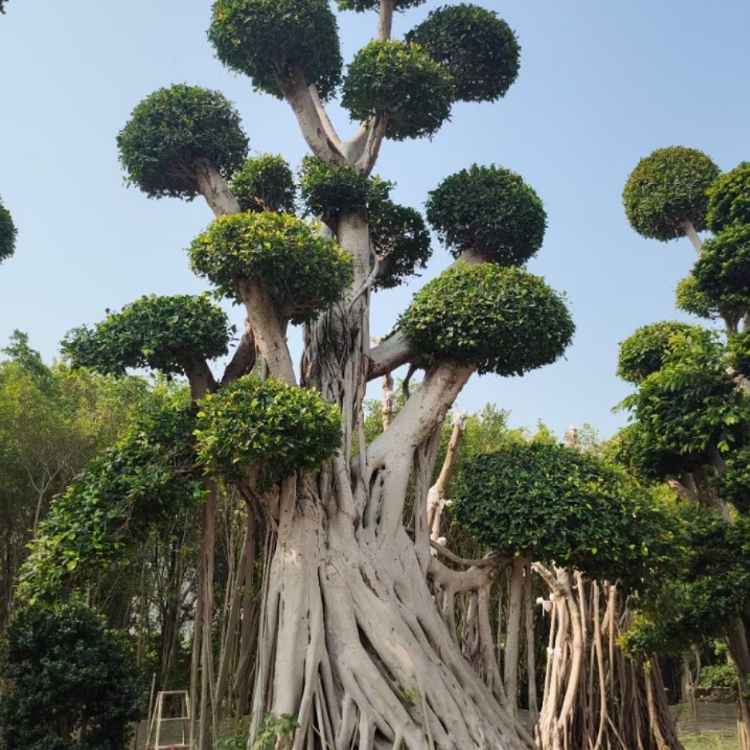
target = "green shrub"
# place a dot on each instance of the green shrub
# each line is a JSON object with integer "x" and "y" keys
{"x": 265, "y": 183}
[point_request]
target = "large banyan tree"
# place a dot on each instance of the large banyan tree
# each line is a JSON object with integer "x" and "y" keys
{"x": 351, "y": 641}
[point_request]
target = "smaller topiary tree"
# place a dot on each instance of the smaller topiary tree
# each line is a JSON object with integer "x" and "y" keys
{"x": 181, "y": 142}
{"x": 565, "y": 514}
{"x": 729, "y": 199}
{"x": 71, "y": 683}
{"x": 665, "y": 196}
{"x": 8, "y": 230}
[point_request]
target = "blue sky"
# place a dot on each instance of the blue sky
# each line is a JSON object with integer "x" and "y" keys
{"x": 602, "y": 83}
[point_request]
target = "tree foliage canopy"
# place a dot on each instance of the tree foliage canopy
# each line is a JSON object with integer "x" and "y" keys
{"x": 164, "y": 333}
{"x": 174, "y": 130}
{"x": 667, "y": 189}
{"x": 499, "y": 319}
{"x": 490, "y": 210}
{"x": 265, "y": 183}
{"x": 72, "y": 683}
{"x": 8, "y": 232}
{"x": 729, "y": 199}
{"x": 478, "y": 49}
{"x": 556, "y": 504}
{"x": 276, "y": 428}
{"x": 304, "y": 272}
{"x": 401, "y": 82}
{"x": 268, "y": 40}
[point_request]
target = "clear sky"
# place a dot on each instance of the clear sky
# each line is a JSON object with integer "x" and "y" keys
{"x": 602, "y": 83}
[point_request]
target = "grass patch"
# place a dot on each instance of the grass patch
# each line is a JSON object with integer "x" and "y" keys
{"x": 710, "y": 741}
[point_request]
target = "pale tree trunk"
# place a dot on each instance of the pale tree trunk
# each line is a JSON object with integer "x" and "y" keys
{"x": 692, "y": 235}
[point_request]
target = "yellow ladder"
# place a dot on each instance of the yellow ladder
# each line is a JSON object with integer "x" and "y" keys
{"x": 158, "y": 720}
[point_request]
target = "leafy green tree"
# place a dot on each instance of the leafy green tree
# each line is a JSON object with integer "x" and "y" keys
{"x": 8, "y": 230}
{"x": 340, "y": 561}
{"x": 72, "y": 683}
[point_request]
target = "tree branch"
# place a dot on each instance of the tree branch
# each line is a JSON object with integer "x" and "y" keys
{"x": 200, "y": 377}
{"x": 213, "y": 187}
{"x": 385, "y": 20}
{"x": 243, "y": 360}
{"x": 269, "y": 330}
{"x": 389, "y": 355}
{"x": 324, "y": 119}
{"x": 300, "y": 97}
{"x": 692, "y": 235}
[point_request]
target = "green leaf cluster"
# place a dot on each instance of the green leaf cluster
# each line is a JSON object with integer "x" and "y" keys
{"x": 703, "y": 585}
{"x": 147, "y": 477}
{"x": 164, "y": 333}
{"x": 691, "y": 299}
{"x": 490, "y": 210}
{"x": 268, "y": 425}
{"x": 729, "y": 199}
{"x": 172, "y": 132}
{"x": 667, "y": 189}
{"x": 645, "y": 352}
{"x": 477, "y": 48}
{"x": 718, "y": 676}
{"x": 733, "y": 485}
{"x": 268, "y": 40}
{"x": 303, "y": 272}
{"x": 556, "y": 504}
{"x": 327, "y": 190}
{"x": 500, "y": 319}
{"x": 8, "y": 234}
{"x": 691, "y": 405}
{"x": 400, "y": 240}
{"x": 738, "y": 348}
{"x": 265, "y": 183}
{"x": 71, "y": 683}
{"x": 723, "y": 268}
{"x": 401, "y": 82}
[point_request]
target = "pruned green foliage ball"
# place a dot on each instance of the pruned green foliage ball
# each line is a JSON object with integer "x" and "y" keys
{"x": 65, "y": 674}
{"x": 164, "y": 333}
{"x": 724, "y": 265}
{"x": 303, "y": 272}
{"x": 145, "y": 479}
{"x": 729, "y": 199}
{"x": 477, "y": 48}
{"x": 268, "y": 39}
{"x": 328, "y": 190}
{"x": 668, "y": 189}
{"x": 273, "y": 427}
{"x": 729, "y": 307}
{"x": 265, "y": 183}
{"x": 175, "y": 130}
{"x": 499, "y": 319}
{"x": 362, "y": 5}
{"x": 645, "y": 351}
{"x": 490, "y": 210}
{"x": 553, "y": 503}
{"x": 691, "y": 405}
{"x": 739, "y": 353}
{"x": 401, "y": 242}
{"x": 8, "y": 234}
{"x": 633, "y": 448}
{"x": 734, "y": 485}
{"x": 402, "y": 82}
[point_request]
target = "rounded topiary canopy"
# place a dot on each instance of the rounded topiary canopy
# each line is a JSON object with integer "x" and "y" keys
{"x": 303, "y": 272}
{"x": 724, "y": 266}
{"x": 268, "y": 39}
{"x": 734, "y": 484}
{"x": 327, "y": 190}
{"x": 164, "y": 333}
{"x": 401, "y": 81}
{"x": 478, "y": 49}
{"x": 739, "y": 352}
{"x": 691, "y": 299}
{"x": 7, "y": 234}
{"x": 555, "y": 504}
{"x": 502, "y": 320}
{"x": 174, "y": 130}
{"x": 729, "y": 199}
{"x": 667, "y": 189}
{"x": 362, "y": 5}
{"x": 491, "y": 210}
{"x": 633, "y": 447}
{"x": 265, "y": 183}
{"x": 274, "y": 427}
{"x": 646, "y": 350}
{"x": 400, "y": 240}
